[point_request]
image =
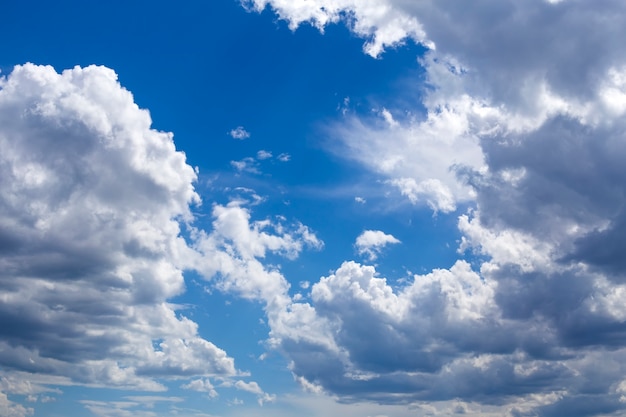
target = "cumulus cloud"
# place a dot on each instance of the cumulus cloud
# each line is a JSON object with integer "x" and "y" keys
{"x": 470, "y": 101}
{"x": 371, "y": 242}
{"x": 254, "y": 388}
{"x": 522, "y": 119}
{"x": 90, "y": 236}
{"x": 11, "y": 409}
{"x": 92, "y": 213}
{"x": 457, "y": 334}
{"x": 284, "y": 157}
{"x": 384, "y": 24}
{"x": 201, "y": 385}
{"x": 239, "y": 133}
{"x": 233, "y": 252}
{"x": 261, "y": 155}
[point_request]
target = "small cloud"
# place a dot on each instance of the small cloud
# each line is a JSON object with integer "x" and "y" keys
{"x": 360, "y": 200}
{"x": 239, "y": 133}
{"x": 345, "y": 106}
{"x": 253, "y": 388}
{"x": 246, "y": 165}
{"x": 284, "y": 157}
{"x": 388, "y": 117}
{"x": 371, "y": 242}
{"x": 261, "y": 155}
{"x": 201, "y": 385}
{"x": 235, "y": 401}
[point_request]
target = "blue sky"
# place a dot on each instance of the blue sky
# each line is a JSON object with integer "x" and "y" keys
{"x": 322, "y": 207}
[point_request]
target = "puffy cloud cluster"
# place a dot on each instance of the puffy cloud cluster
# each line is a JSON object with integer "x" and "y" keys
{"x": 91, "y": 247}
{"x": 239, "y": 133}
{"x": 90, "y": 238}
{"x": 524, "y": 120}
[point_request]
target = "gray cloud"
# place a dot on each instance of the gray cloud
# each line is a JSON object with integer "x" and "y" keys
{"x": 90, "y": 210}
{"x": 524, "y": 122}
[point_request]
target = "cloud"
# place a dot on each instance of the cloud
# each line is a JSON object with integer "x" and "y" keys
{"x": 284, "y": 157}
{"x": 234, "y": 248}
{"x": 455, "y": 334}
{"x": 254, "y": 388}
{"x": 380, "y": 22}
{"x": 239, "y": 133}
{"x": 252, "y": 164}
{"x": 91, "y": 244}
{"x": 521, "y": 118}
{"x": 470, "y": 100}
{"x": 371, "y": 242}
{"x": 201, "y": 385}
{"x": 11, "y": 409}
{"x": 248, "y": 164}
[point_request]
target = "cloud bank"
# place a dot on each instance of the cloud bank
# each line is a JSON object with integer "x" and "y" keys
{"x": 93, "y": 214}
{"x": 523, "y": 122}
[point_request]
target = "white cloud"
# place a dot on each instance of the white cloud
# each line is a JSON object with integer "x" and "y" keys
{"x": 284, "y": 157}
{"x": 420, "y": 157}
{"x": 261, "y": 155}
{"x": 233, "y": 250}
{"x": 379, "y": 21}
{"x": 470, "y": 101}
{"x": 371, "y": 242}
{"x": 254, "y": 388}
{"x": 201, "y": 385}
{"x": 239, "y": 133}
{"x": 11, "y": 409}
{"x": 248, "y": 164}
{"x": 90, "y": 239}
{"x": 523, "y": 119}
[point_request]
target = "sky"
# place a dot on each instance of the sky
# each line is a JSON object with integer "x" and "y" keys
{"x": 373, "y": 208}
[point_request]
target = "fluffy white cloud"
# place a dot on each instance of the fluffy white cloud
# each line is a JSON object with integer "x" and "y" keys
{"x": 90, "y": 239}
{"x": 239, "y": 133}
{"x": 523, "y": 117}
{"x": 254, "y": 388}
{"x": 201, "y": 385}
{"x": 11, "y": 409}
{"x": 262, "y": 154}
{"x": 371, "y": 242}
{"x": 455, "y": 334}
{"x": 233, "y": 250}
{"x": 385, "y": 24}
{"x": 493, "y": 72}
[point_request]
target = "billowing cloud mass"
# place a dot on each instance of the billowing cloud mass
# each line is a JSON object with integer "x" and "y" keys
{"x": 91, "y": 244}
{"x": 518, "y": 132}
{"x": 524, "y": 122}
